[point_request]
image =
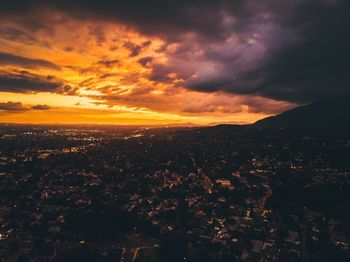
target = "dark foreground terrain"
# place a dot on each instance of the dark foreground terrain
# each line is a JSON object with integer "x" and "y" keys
{"x": 226, "y": 193}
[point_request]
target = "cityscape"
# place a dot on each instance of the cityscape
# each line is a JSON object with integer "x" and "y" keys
{"x": 222, "y": 193}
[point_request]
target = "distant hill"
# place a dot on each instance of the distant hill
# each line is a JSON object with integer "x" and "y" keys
{"x": 327, "y": 116}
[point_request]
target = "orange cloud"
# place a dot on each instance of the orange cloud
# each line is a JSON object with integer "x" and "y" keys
{"x": 106, "y": 72}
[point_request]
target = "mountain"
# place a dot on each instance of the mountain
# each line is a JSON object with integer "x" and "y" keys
{"x": 327, "y": 116}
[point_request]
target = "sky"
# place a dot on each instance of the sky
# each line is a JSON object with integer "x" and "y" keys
{"x": 159, "y": 62}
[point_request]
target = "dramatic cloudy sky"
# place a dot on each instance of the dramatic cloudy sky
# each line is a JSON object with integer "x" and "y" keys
{"x": 158, "y": 62}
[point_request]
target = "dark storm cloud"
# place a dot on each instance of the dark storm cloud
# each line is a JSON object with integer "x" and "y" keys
{"x": 98, "y": 34}
{"x": 307, "y": 57}
{"x": 145, "y": 61}
{"x": 134, "y": 49}
{"x": 15, "y": 60}
{"x": 313, "y": 65}
{"x": 167, "y": 18}
{"x": 289, "y": 50}
{"x": 17, "y": 35}
{"x": 13, "y": 107}
{"x": 25, "y": 82}
{"x": 41, "y": 107}
{"x": 17, "y": 107}
{"x": 23, "y": 36}
{"x": 109, "y": 63}
{"x": 318, "y": 64}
